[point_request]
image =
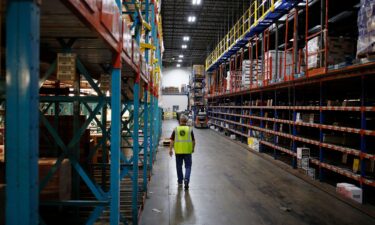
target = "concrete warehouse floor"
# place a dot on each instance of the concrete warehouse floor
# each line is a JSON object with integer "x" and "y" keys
{"x": 230, "y": 185}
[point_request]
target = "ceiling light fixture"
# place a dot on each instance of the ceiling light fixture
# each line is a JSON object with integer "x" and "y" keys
{"x": 180, "y": 60}
{"x": 181, "y": 56}
{"x": 186, "y": 38}
{"x": 191, "y": 19}
{"x": 178, "y": 65}
{"x": 184, "y": 46}
{"x": 196, "y": 2}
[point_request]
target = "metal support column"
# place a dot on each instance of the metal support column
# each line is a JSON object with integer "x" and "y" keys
{"x": 22, "y": 79}
{"x": 321, "y": 121}
{"x": 135, "y": 149}
{"x": 295, "y": 43}
{"x": 115, "y": 135}
{"x": 135, "y": 135}
{"x": 115, "y": 145}
{"x": 145, "y": 139}
{"x": 277, "y": 72}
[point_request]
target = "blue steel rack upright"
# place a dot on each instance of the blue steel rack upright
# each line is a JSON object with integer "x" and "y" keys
{"x": 25, "y": 107}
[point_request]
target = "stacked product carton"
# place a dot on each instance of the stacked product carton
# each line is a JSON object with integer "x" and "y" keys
{"x": 366, "y": 28}
{"x": 227, "y": 86}
{"x": 349, "y": 191}
{"x": 270, "y": 64}
{"x": 198, "y": 70}
{"x": 249, "y": 69}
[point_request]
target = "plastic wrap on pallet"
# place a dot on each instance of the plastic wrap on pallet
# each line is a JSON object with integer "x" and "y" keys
{"x": 313, "y": 48}
{"x": 228, "y": 81}
{"x": 127, "y": 40}
{"x": 270, "y": 64}
{"x": 340, "y": 50}
{"x": 366, "y": 28}
{"x": 249, "y": 68}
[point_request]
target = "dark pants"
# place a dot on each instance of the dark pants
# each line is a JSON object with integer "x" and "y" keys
{"x": 180, "y": 159}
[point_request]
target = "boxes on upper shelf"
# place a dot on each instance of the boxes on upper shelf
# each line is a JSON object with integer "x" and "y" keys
{"x": 303, "y": 152}
{"x": 303, "y": 158}
{"x": 198, "y": 70}
{"x": 270, "y": 68}
{"x": 366, "y": 29}
{"x": 340, "y": 50}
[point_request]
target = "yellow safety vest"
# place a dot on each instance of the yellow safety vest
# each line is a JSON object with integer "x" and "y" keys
{"x": 183, "y": 142}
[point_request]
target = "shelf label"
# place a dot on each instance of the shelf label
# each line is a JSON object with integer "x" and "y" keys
{"x": 66, "y": 66}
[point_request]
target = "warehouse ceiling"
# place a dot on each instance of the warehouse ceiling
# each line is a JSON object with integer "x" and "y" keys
{"x": 213, "y": 17}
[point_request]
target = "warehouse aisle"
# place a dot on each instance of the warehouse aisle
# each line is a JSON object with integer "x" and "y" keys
{"x": 230, "y": 185}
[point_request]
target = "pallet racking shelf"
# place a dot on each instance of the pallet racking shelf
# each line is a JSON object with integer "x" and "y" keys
{"x": 110, "y": 174}
{"x": 291, "y": 96}
{"x": 231, "y": 113}
{"x": 196, "y": 90}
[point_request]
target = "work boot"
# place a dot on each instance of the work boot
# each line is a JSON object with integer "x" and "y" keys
{"x": 186, "y": 185}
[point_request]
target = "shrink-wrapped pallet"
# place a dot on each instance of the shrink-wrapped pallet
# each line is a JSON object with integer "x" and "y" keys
{"x": 366, "y": 28}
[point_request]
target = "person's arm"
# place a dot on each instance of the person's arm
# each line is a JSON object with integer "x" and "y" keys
{"x": 193, "y": 139}
{"x": 171, "y": 144}
{"x": 171, "y": 148}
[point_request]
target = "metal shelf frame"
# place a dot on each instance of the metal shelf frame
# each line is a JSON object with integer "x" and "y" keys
{"x": 259, "y": 16}
{"x": 232, "y": 114}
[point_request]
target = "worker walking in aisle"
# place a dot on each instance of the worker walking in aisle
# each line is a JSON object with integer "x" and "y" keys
{"x": 183, "y": 142}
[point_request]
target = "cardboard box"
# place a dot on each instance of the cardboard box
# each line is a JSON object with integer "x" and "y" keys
{"x": 350, "y": 191}
{"x": 303, "y": 152}
{"x": 2, "y": 153}
{"x": 311, "y": 173}
{"x": 340, "y": 187}
{"x": 253, "y": 143}
{"x": 198, "y": 70}
{"x": 340, "y": 49}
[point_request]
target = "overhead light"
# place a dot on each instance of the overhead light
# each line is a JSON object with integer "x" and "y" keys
{"x": 196, "y": 2}
{"x": 183, "y": 46}
{"x": 181, "y": 56}
{"x": 173, "y": 58}
{"x": 186, "y": 38}
{"x": 191, "y": 19}
{"x": 178, "y": 65}
{"x": 180, "y": 60}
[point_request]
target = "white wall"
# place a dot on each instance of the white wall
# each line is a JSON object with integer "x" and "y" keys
{"x": 175, "y": 77}
{"x": 170, "y": 100}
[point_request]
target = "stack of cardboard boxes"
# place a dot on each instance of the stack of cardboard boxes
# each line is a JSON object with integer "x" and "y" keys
{"x": 198, "y": 70}
{"x": 171, "y": 90}
{"x": 340, "y": 52}
{"x": 303, "y": 161}
{"x": 250, "y": 71}
{"x": 270, "y": 69}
